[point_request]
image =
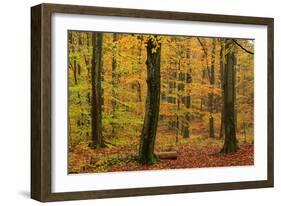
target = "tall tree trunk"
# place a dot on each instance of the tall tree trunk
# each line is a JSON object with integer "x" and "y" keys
{"x": 230, "y": 142}
{"x": 178, "y": 100}
{"x": 236, "y": 70}
{"x": 79, "y": 69}
{"x": 221, "y": 135}
{"x": 187, "y": 99}
{"x": 148, "y": 135}
{"x": 114, "y": 83}
{"x": 211, "y": 95}
{"x": 75, "y": 70}
{"x": 204, "y": 70}
{"x": 202, "y": 98}
{"x": 244, "y": 123}
{"x": 222, "y": 70}
{"x": 185, "y": 127}
{"x": 138, "y": 88}
{"x": 96, "y": 110}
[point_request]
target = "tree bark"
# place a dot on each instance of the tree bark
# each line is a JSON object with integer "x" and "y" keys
{"x": 75, "y": 70}
{"x": 222, "y": 70}
{"x": 211, "y": 95}
{"x": 148, "y": 135}
{"x": 221, "y": 135}
{"x": 114, "y": 83}
{"x": 96, "y": 110}
{"x": 138, "y": 88}
{"x": 178, "y": 100}
{"x": 244, "y": 123}
{"x": 204, "y": 70}
{"x": 185, "y": 127}
{"x": 187, "y": 99}
{"x": 230, "y": 142}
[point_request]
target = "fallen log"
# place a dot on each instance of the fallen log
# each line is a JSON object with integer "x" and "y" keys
{"x": 173, "y": 155}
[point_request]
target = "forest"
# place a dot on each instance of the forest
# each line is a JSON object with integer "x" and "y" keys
{"x": 150, "y": 102}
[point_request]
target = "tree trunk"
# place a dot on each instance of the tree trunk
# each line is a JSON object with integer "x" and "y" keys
{"x": 178, "y": 101}
{"x": 244, "y": 123}
{"x": 230, "y": 142}
{"x": 204, "y": 70}
{"x": 211, "y": 95}
{"x": 114, "y": 83}
{"x": 222, "y": 70}
{"x": 75, "y": 70}
{"x": 148, "y": 134}
{"x": 202, "y": 98}
{"x": 138, "y": 88}
{"x": 221, "y": 135}
{"x": 185, "y": 127}
{"x": 96, "y": 110}
{"x": 187, "y": 99}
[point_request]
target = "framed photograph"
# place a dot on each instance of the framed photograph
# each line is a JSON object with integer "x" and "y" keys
{"x": 132, "y": 102}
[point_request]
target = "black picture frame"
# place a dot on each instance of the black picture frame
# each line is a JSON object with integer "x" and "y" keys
{"x": 41, "y": 95}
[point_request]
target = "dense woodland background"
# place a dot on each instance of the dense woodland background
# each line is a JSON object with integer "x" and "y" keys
{"x": 120, "y": 120}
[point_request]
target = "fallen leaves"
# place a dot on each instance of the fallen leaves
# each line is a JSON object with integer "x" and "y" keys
{"x": 191, "y": 154}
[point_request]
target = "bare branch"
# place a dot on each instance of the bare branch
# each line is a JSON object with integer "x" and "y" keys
{"x": 203, "y": 47}
{"x": 246, "y": 50}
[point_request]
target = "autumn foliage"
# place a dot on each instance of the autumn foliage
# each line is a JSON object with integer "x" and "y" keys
{"x": 193, "y": 73}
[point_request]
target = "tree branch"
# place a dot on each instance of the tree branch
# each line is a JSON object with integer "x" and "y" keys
{"x": 203, "y": 47}
{"x": 206, "y": 55}
{"x": 249, "y": 52}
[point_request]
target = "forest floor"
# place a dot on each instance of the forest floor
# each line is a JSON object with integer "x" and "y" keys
{"x": 193, "y": 152}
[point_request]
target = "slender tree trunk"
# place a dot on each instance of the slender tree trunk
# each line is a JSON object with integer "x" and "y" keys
{"x": 148, "y": 134}
{"x": 139, "y": 91}
{"x": 114, "y": 83}
{"x": 138, "y": 88}
{"x": 79, "y": 69}
{"x": 222, "y": 70}
{"x": 88, "y": 67}
{"x": 178, "y": 101}
{"x": 221, "y": 135}
{"x": 204, "y": 70}
{"x": 202, "y": 99}
{"x": 75, "y": 70}
{"x": 211, "y": 95}
{"x": 187, "y": 99}
{"x": 96, "y": 110}
{"x": 235, "y": 95}
{"x": 244, "y": 123}
{"x": 230, "y": 142}
{"x": 244, "y": 131}
{"x": 185, "y": 128}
